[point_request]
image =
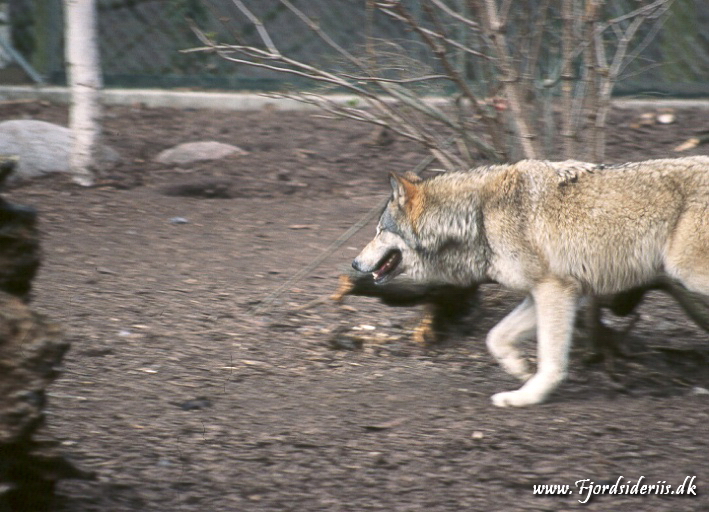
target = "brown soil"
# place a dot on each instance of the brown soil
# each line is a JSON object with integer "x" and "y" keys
{"x": 180, "y": 397}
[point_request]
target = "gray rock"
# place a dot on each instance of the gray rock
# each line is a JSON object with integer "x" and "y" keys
{"x": 42, "y": 148}
{"x": 190, "y": 152}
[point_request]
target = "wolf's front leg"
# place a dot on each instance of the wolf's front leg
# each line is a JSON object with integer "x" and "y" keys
{"x": 555, "y": 304}
{"x": 503, "y": 339}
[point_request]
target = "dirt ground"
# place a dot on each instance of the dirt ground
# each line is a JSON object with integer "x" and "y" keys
{"x": 179, "y": 397}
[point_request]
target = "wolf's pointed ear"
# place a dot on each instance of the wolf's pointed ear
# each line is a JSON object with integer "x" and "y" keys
{"x": 403, "y": 189}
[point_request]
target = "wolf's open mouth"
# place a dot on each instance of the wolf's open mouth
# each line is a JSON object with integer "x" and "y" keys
{"x": 387, "y": 266}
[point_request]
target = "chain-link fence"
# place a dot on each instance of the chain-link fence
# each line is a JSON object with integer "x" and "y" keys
{"x": 141, "y": 42}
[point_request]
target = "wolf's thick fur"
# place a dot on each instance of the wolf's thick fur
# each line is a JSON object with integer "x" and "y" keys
{"x": 557, "y": 230}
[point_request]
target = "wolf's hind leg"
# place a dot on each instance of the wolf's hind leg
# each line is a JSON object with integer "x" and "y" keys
{"x": 694, "y": 279}
{"x": 556, "y": 308}
{"x": 695, "y": 305}
{"x": 687, "y": 259}
{"x": 504, "y": 338}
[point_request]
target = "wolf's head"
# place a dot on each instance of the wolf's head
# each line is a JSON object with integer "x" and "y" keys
{"x": 393, "y": 247}
{"x": 429, "y": 229}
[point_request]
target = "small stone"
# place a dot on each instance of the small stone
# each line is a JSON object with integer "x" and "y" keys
{"x": 341, "y": 340}
{"x": 191, "y": 152}
{"x": 194, "y": 404}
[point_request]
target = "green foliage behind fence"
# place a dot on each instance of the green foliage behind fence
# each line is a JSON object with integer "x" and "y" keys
{"x": 141, "y": 42}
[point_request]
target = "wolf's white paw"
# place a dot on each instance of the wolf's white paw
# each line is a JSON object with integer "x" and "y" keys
{"x": 517, "y": 367}
{"x": 517, "y": 398}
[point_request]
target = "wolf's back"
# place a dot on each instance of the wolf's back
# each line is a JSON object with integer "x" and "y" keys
{"x": 613, "y": 227}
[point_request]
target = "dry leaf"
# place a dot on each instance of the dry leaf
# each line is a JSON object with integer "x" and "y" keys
{"x": 688, "y": 144}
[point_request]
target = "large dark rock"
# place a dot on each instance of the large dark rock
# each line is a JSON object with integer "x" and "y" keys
{"x": 31, "y": 350}
{"x": 19, "y": 242}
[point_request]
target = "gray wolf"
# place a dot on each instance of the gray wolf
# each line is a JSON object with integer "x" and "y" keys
{"x": 555, "y": 230}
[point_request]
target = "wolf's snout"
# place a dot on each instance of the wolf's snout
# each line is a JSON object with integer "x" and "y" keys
{"x": 360, "y": 265}
{"x": 383, "y": 266}
{"x": 357, "y": 265}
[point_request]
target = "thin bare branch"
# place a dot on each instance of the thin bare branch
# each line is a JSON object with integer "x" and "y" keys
{"x": 509, "y": 78}
{"x": 321, "y": 33}
{"x": 304, "y": 71}
{"x": 610, "y": 75}
{"x": 656, "y": 8}
{"x": 396, "y": 81}
{"x": 434, "y": 35}
{"x": 649, "y": 37}
{"x": 301, "y": 68}
{"x": 567, "y": 20}
{"x": 454, "y": 75}
{"x": 342, "y": 111}
{"x": 530, "y": 65}
{"x": 456, "y": 16}
{"x": 585, "y": 102}
{"x": 260, "y": 28}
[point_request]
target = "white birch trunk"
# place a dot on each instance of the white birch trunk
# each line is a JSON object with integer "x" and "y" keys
{"x": 84, "y": 76}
